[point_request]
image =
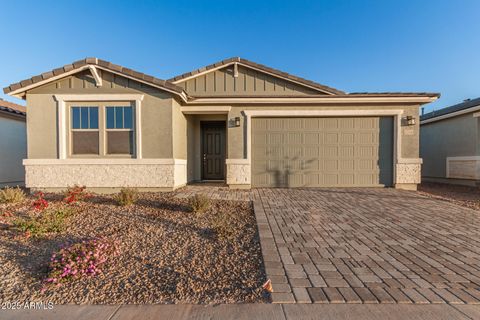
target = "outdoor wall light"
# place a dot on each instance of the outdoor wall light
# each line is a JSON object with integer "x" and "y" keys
{"x": 237, "y": 121}
{"x": 410, "y": 120}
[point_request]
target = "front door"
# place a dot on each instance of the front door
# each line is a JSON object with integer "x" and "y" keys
{"x": 213, "y": 150}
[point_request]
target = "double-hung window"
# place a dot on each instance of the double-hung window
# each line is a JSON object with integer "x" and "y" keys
{"x": 119, "y": 130}
{"x": 85, "y": 131}
{"x": 102, "y": 129}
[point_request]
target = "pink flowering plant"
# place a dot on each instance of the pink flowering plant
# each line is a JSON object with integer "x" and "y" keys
{"x": 84, "y": 259}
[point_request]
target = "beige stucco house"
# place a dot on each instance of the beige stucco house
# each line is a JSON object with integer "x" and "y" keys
{"x": 450, "y": 144}
{"x": 13, "y": 143}
{"x": 105, "y": 126}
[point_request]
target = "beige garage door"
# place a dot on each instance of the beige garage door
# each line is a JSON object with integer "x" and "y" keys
{"x": 322, "y": 152}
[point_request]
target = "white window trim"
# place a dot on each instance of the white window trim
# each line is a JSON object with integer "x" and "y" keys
{"x": 396, "y": 114}
{"x": 62, "y": 100}
{"x": 206, "y": 110}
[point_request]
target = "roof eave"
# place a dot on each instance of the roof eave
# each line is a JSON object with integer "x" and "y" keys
{"x": 344, "y": 99}
{"x": 18, "y": 90}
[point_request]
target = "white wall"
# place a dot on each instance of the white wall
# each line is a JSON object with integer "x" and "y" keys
{"x": 13, "y": 149}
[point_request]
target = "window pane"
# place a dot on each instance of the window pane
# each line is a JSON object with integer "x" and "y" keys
{"x": 85, "y": 142}
{"x": 110, "y": 117}
{"x": 75, "y": 117}
{"x": 120, "y": 142}
{"x": 128, "y": 120}
{"x": 93, "y": 117}
{"x": 118, "y": 117}
{"x": 84, "y": 117}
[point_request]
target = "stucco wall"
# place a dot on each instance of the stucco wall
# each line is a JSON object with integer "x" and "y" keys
{"x": 179, "y": 132}
{"x": 453, "y": 137}
{"x": 156, "y": 114}
{"x": 13, "y": 149}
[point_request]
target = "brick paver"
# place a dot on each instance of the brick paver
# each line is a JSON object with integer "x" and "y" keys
{"x": 364, "y": 245}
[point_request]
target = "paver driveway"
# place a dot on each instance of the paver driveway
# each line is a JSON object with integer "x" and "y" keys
{"x": 364, "y": 245}
{"x": 368, "y": 245}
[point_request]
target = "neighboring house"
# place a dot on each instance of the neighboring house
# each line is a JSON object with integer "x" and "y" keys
{"x": 13, "y": 144}
{"x": 450, "y": 144}
{"x": 105, "y": 126}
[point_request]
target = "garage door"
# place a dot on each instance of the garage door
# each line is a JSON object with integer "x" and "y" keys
{"x": 322, "y": 152}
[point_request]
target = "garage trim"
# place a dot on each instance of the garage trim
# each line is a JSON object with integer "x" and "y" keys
{"x": 396, "y": 114}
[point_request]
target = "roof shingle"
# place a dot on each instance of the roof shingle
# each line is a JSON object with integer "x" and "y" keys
{"x": 457, "y": 107}
{"x": 13, "y": 108}
{"x": 94, "y": 61}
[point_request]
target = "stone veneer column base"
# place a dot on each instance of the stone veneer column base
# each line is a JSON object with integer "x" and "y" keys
{"x": 238, "y": 173}
{"x": 408, "y": 174}
{"x": 105, "y": 174}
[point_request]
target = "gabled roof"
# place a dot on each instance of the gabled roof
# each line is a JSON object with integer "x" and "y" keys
{"x": 12, "y": 108}
{"x": 18, "y": 89}
{"x": 80, "y": 65}
{"x": 260, "y": 67}
{"x": 464, "y": 106}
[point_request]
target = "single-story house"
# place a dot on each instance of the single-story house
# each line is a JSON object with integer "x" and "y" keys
{"x": 105, "y": 126}
{"x": 13, "y": 143}
{"x": 450, "y": 144}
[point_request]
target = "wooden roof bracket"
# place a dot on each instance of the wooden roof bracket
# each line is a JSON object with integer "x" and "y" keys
{"x": 235, "y": 70}
{"x": 96, "y": 75}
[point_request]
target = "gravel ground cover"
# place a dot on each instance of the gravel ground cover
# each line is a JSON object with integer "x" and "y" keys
{"x": 168, "y": 254}
{"x": 461, "y": 195}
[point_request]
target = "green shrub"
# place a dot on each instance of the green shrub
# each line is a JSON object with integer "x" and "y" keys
{"x": 11, "y": 195}
{"x": 52, "y": 220}
{"x": 224, "y": 225}
{"x": 127, "y": 196}
{"x": 199, "y": 203}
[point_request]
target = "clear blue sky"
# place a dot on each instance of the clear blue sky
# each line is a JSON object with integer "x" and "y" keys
{"x": 350, "y": 45}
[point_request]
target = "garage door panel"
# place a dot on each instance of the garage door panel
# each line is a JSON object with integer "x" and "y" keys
{"x": 275, "y": 138}
{"x": 293, "y": 152}
{"x": 347, "y": 137}
{"x": 346, "y": 152}
{"x": 331, "y": 137}
{"x": 295, "y": 124}
{"x": 330, "y": 151}
{"x": 275, "y": 124}
{"x": 329, "y": 123}
{"x": 312, "y": 138}
{"x": 311, "y": 124}
{"x": 316, "y": 152}
{"x": 294, "y": 138}
{"x": 346, "y": 165}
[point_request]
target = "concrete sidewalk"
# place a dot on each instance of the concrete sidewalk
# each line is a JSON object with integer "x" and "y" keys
{"x": 250, "y": 311}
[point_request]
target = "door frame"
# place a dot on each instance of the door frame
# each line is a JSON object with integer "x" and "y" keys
{"x": 215, "y": 124}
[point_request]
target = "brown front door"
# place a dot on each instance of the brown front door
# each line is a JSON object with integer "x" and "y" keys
{"x": 213, "y": 150}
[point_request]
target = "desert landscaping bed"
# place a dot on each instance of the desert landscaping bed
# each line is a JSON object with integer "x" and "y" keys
{"x": 464, "y": 196}
{"x": 167, "y": 253}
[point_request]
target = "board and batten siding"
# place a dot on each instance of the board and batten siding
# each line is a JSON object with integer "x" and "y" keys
{"x": 249, "y": 82}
